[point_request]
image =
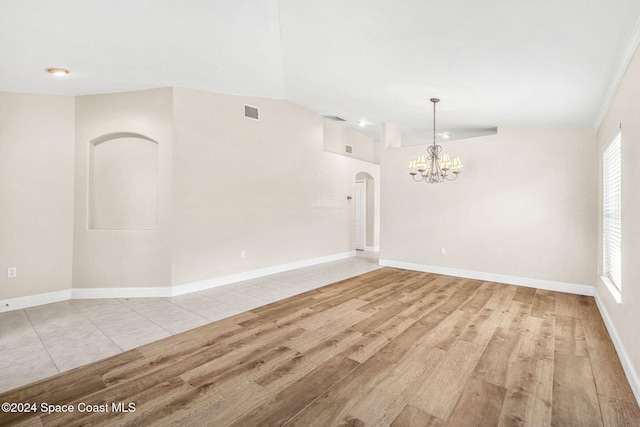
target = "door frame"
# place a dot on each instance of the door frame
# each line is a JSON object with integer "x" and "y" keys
{"x": 363, "y": 207}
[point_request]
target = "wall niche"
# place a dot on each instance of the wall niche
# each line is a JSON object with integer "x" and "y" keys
{"x": 123, "y": 182}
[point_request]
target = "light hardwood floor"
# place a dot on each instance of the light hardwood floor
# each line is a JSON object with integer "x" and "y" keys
{"x": 390, "y": 347}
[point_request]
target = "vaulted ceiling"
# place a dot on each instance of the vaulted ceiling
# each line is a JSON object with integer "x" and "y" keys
{"x": 542, "y": 63}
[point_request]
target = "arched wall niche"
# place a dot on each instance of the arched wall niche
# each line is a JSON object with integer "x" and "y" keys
{"x": 123, "y": 182}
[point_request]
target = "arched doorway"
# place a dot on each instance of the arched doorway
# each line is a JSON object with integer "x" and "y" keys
{"x": 364, "y": 211}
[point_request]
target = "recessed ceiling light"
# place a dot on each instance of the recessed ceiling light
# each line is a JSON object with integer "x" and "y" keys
{"x": 446, "y": 135}
{"x": 57, "y": 71}
{"x": 362, "y": 123}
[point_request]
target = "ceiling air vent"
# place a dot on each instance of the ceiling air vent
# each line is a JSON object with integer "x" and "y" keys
{"x": 335, "y": 118}
{"x": 251, "y": 112}
{"x": 349, "y": 148}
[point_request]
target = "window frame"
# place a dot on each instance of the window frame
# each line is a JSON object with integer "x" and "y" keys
{"x": 612, "y": 213}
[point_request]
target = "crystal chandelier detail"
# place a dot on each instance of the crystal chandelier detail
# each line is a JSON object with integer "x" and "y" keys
{"x": 434, "y": 168}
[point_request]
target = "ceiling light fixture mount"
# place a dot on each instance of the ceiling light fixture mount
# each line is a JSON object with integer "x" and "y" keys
{"x": 434, "y": 167}
{"x": 57, "y": 71}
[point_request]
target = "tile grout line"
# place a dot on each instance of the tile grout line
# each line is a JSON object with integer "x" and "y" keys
{"x": 199, "y": 293}
{"x": 41, "y": 341}
{"x": 247, "y": 295}
{"x": 136, "y": 311}
{"x": 191, "y": 311}
{"x": 97, "y": 327}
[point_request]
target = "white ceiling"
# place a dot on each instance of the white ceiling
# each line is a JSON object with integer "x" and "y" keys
{"x": 533, "y": 63}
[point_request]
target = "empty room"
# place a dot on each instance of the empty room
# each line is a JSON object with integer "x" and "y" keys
{"x": 335, "y": 213}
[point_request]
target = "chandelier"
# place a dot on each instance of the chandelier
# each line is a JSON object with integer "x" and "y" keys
{"x": 434, "y": 168}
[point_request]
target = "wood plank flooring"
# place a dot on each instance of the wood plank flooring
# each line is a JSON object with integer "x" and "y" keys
{"x": 388, "y": 348}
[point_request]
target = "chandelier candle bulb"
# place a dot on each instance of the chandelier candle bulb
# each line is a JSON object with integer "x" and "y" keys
{"x": 412, "y": 167}
{"x": 445, "y": 162}
{"x": 421, "y": 164}
{"x": 456, "y": 164}
{"x": 434, "y": 166}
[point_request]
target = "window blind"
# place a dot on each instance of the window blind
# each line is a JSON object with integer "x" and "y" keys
{"x": 612, "y": 210}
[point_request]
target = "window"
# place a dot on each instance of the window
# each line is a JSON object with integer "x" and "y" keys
{"x": 612, "y": 214}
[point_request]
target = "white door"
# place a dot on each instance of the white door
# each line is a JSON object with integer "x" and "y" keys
{"x": 361, "y": 214}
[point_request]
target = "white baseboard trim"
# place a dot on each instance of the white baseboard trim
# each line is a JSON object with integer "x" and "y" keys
{"x": 161, "y": 291}
{"x": 254, "y": 274}
{"x": 372, "y": 248}
{"x": 570, "y": 288}
{"x": 625, "y": 360}
{"x": 33, "y": 300}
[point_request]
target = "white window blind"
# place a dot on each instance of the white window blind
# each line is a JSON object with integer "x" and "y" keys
{"x": 612, "y": 210}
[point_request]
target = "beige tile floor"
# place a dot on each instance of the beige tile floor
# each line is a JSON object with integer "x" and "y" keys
{"x": 38, "y": 342}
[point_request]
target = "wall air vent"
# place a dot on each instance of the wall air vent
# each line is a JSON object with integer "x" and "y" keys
{"x": 251, "y": 112}
{"x": 349, "y": 148}
{"x": 335, "y": 118}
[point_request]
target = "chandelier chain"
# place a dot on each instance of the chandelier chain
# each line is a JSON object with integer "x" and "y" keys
{"x": 434, "y": 101}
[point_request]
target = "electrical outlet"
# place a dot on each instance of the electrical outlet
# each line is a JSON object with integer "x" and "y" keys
{"x": 243, "y": 254}
{"x": 12, "y": 272}
{"x": 443, "y": 251}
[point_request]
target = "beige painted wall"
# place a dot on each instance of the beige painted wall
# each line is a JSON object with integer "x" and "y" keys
{"x": 36, "y": 193}
{"x": 377, "y": 152}
{"x": 625, "y": 109}
{"x": 123, "y": 183}
{"x": 390, "y": 136}
{"x": 264, "y": 187}
{"x": 366, "y": 152}
{"x": 123, "y": 258}
{"x": 524, "y": 206}
{"x": 337, "y": 137}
